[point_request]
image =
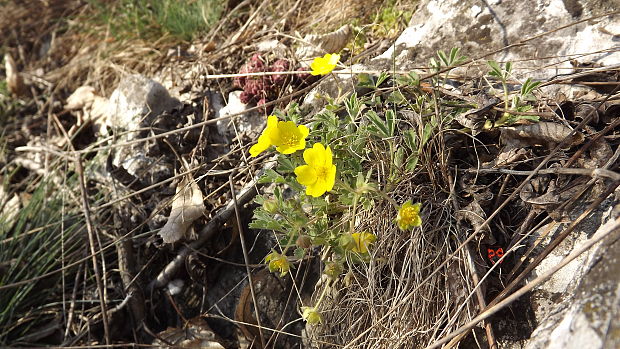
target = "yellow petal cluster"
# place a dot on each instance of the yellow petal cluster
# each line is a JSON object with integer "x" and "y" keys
{"x": 363, "y": 242}
{"x": 278, "y": 262}
{"x": 284, "y": 135}
{"x": 409, "y": 216}
{"x": 319, "y": 175}
{"x": 324, "y": 65}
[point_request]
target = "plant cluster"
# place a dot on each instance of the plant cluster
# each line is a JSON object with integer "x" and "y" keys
{"x": 261, "y": 89}
{"x": 325, "y": 160}
{"x": 334, "y": 171}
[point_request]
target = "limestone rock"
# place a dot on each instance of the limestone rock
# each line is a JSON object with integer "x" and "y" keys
{"x": 480, "y": 27}
{"x": 136, "y": 101}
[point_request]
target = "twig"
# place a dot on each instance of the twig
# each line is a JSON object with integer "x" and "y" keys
{"x": 79, "y": 169}
{"x": 594, "y": 172}
{"x": 246, "y": 257}
{"x": 474, "y": 274}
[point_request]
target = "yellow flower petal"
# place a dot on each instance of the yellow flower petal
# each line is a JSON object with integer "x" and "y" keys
{"x": 289, "y": 138}
{"x": 305, "y": 175}
{"x": 363, "y": 242}
{"x": 324, "y": 65}
{"x": 278, "y": 262}
{"x": 331, "y": 178}
{"x": 319, "y": 175}
{"x": 261, "y": 146}
{"x": 311, "y": 315}
{"x": 285, "y": 135}
{"x": 409, "y": 216}
{"x": 315, "y": 156}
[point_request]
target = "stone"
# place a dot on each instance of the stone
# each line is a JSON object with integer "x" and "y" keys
{"x": 250, "y": 123}
{"x": 588, "y": 315}
{"x": 136, "y": 102}
{"x": 480, "y": 27}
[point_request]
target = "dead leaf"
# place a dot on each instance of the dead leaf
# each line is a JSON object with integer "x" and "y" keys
{"x": 508, "y": 156}
{"x": 475, "y": 216}
{"x": 475, "y": 119}
{"x": 196, "y": 334}
{"x": 187, "y": 206}
{"x": 318, "y": 45}
{"x": 14, "y": 79}
{"x": 82, "y": 97}
{"x": 9, "y": 208}
{"x": 547, "y": 134}
{"x": 585, "y": 110}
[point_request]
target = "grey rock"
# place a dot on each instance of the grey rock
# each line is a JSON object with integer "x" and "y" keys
{"x": 136, "y": 102}
{"x": 250, "y": 123}
{"x": 482, "y": 26}
{"x": 589, "y": 312}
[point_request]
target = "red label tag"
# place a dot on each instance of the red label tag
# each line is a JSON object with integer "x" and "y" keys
{"x": 495, "y": 254}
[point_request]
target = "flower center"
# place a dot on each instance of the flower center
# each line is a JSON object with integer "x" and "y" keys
{"x": 290, "y": 140}
{"x": 409, "y": 214}
{"x": 321, "y": 172}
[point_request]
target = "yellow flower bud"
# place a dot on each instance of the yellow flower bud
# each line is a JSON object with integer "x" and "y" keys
{"x": 311, "y": 315}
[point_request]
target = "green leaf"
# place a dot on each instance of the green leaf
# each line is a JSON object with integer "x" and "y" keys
{"x": 378, "y": 127}
{"x": 353, "y": 107}
{"x": 529, "y": 86}
{"x": 381, "y": 78}
{"x": 412, "y": 162}
{"x": 411, "y": 140}
{"x": 426, "y": 134}
{"x": 264, "y": 220}
{"x": 365, "y": 80}
{"x": 398, "y": 157}
{"x": 455, "y": 57}
{"x": 397, "y": 98}
{"x": 285, "y": 165}
{"x": 444, "y": 59}
{"x": 390, "y": 118}
{"x": 299, "y": 253}
{"x": 271, "y": 176}
{"x": 293, "y": 112}
{"x": 496, "y": 70}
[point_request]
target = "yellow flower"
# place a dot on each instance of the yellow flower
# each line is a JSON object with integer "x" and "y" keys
{"x": 285, "y": 135}
{"x": 363, "y": 242}
{"x": 324, "y": 65}
{"x": 319, "y": 175}
{"x": 409, "y": 216}
{"x": 278, "y": 262}
{"x": 311, "y": 315}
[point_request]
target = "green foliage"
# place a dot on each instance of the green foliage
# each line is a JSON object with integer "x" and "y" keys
{"x": 150, "y": 20}
{"x": 40, "y": 240}
{"x": 516, "y": 102}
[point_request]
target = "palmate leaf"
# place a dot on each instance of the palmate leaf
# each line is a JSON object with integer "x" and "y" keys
{"x": 529, "y": 86}
{"x": 265, "y": 220}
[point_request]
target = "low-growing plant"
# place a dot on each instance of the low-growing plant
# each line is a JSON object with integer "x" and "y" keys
{"x": 327, "y": 171}
{"x": 516, "y": 102}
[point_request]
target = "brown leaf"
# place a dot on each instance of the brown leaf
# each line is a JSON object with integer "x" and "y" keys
{"x": 14, "y": 79}
{"x": 196, "y": 334}
{"x": 475, "y": 119}
{"x": 187, "y": 206}
{"x": 474, "y": 215}
{"x": 318, "y": 45}
{"x": 547, "y": 134}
